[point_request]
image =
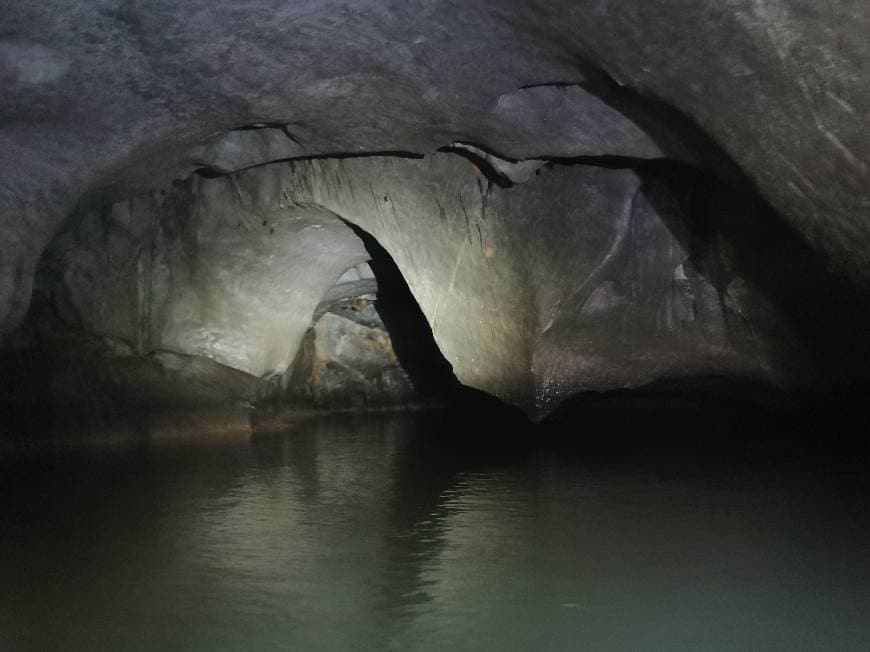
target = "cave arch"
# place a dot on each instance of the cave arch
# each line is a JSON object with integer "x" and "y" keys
{"x": 411, "y": 333}
{"x": 503, "y": 278}
{"x": 369, "y": 344}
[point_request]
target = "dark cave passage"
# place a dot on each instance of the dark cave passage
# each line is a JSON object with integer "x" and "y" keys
{"x": 369, "y": 345}
{"x": 411, "y": 335}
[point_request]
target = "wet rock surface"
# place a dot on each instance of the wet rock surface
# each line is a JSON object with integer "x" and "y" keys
{"x": 347, "y": 360}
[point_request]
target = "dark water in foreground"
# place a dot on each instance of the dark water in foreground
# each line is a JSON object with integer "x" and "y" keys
{"x": 414, "y": 533}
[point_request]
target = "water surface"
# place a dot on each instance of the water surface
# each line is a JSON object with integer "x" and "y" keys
{"x": 417, "y": 532}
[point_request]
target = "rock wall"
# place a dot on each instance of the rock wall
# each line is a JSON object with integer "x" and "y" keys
{"x": 237, "y": 286}
{"x": 347, "y": 360}
{"x": 584, "y": 277}
{"x": 104, "y": 98}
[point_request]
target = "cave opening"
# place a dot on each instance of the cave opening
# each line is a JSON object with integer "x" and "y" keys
{"x": 369, "y": 346}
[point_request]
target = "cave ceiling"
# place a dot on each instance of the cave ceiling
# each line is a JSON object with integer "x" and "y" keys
{"x": 106, "y": 100}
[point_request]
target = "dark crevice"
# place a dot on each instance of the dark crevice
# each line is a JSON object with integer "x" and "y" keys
{"x": 614, "y": 162}
{"x": 415, "y": 347}
{"x": 411, "y": 335}
{"x": 558, "y": 84}
{"x": 344, "y": 155}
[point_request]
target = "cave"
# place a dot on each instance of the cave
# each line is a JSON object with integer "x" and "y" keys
{"x": 409, "y": 325}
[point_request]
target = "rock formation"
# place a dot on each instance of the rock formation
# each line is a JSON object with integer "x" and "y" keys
{"x": 579, "y": 196}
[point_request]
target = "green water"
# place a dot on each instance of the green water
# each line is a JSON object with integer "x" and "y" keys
{"x": 413, "y": 533}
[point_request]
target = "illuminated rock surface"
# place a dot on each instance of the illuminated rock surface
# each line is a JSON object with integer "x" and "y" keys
{"x": 583, "y": 278}
{"x": 704, "y": 210}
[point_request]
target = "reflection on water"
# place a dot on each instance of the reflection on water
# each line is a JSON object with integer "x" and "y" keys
{"x": 411, "y": 532}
